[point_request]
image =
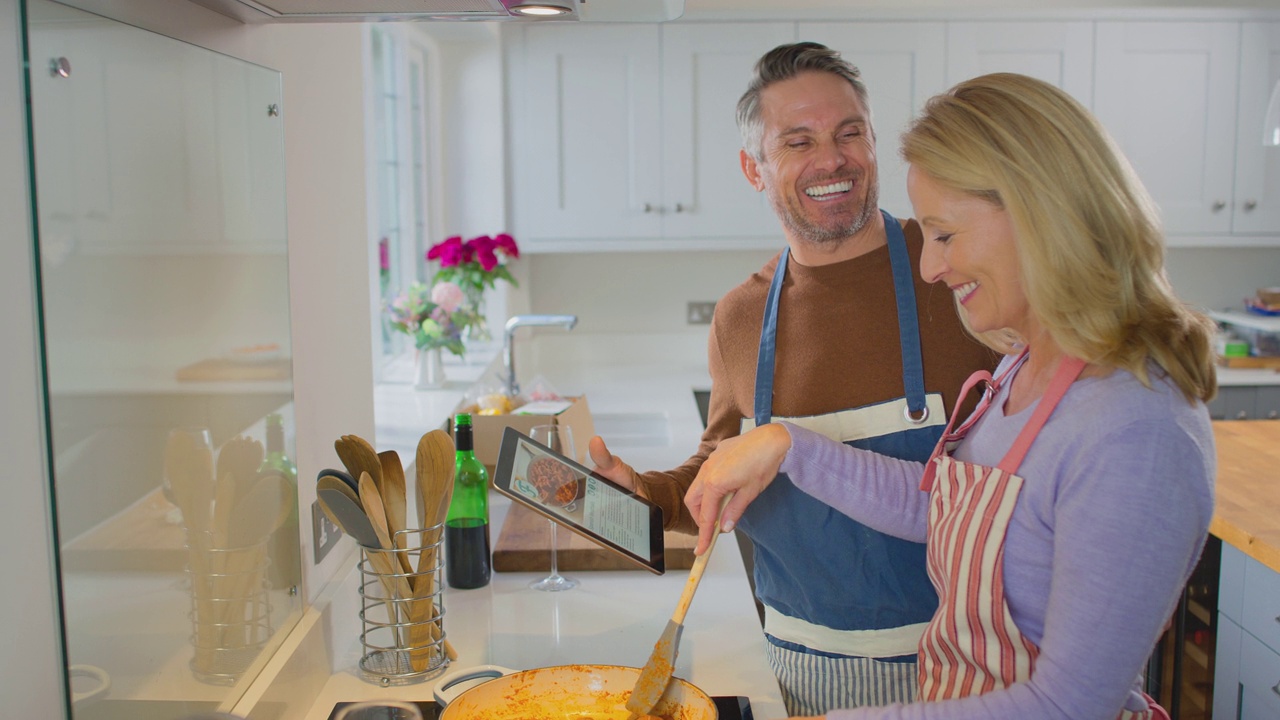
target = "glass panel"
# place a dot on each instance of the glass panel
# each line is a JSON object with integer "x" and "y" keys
{"x": 164, "y": 291}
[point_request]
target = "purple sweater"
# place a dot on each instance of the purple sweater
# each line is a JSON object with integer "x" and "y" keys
{"x": 1111, "y": 520}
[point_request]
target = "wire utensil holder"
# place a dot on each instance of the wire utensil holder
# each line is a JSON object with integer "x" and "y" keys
{"x": 230, "y": 609}
{"x": 402, "y": 608}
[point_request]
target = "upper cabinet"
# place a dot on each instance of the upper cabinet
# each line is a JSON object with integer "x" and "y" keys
{"x": 626, "y": 133}
{"x": 1168, "y": 96}
{"x": 624, "y": 137}
{"x": 1257, "y": 195}
{"x": 1056, "y": 52}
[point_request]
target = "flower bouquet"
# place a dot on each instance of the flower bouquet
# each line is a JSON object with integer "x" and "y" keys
{"x": 434, "y": 317}
{"x": 475, "y": 266}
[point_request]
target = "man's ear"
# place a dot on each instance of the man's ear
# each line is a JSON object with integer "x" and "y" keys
{"x": 751, "y": 170}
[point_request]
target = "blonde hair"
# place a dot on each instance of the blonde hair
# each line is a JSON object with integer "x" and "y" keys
{"x": 1090, "y": 246}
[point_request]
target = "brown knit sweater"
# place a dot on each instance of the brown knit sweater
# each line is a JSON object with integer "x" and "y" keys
{"x": 837, "y": 349}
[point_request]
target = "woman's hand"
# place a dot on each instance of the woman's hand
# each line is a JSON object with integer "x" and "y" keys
{"x": 743, "y": 465}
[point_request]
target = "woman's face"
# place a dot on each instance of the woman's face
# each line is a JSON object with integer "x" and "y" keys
{"x": 969, "y": 245}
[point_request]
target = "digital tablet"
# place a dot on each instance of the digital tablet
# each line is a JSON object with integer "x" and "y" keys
{"x": 568, "y": 493}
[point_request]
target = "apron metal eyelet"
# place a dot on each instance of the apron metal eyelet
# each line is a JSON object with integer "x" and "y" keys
{"x": 924, "y": 415}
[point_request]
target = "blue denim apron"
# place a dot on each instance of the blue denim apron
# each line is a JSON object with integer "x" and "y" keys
{"x": 845, "y": 605}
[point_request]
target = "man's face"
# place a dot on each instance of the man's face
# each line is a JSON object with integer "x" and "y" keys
{"x": 818, "y": 158}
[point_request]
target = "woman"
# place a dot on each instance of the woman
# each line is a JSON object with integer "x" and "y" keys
{"x": 1065, "y": 514}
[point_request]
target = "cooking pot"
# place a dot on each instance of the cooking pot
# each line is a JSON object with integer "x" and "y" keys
{"x": 561, "y": 692}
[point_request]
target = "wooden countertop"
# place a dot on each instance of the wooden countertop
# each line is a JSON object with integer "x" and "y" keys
{"x": 1247, "y": 508}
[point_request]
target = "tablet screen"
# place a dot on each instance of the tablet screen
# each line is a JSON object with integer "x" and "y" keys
{"x": 577, "y": 498}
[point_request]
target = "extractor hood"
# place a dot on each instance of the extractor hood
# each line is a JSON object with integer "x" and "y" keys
{"x": 257, "y": 11}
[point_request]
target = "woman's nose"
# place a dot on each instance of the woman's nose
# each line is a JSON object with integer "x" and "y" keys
{"x": 933, "y": 262}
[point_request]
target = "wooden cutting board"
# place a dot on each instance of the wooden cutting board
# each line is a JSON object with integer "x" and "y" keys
{"x": 524, "y": 545}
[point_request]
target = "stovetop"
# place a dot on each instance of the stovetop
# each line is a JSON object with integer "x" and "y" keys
{"x": 728, "y": 707}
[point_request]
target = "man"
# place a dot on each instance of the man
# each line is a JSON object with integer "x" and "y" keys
{"x": 828, "y": 335}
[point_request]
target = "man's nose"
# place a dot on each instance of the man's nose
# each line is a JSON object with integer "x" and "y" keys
{"x": 831, "y": 157}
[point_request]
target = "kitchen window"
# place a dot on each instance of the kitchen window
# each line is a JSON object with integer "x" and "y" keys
{"x": 400, "y": 207}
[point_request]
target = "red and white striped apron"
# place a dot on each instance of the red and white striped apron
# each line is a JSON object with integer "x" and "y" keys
{"x": 972, "y": 646}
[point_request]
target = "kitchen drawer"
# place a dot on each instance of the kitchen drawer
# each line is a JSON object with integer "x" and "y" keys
{"x": 1259, "y": 680}
{"x": 1231, "y": 582}
{"x": 1261, "y": 612}
{"x": 1267, "y": 404}
{"x": 1234, "y": 402}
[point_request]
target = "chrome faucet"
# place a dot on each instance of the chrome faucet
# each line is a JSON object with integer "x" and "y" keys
{"x": 508, "y": 349}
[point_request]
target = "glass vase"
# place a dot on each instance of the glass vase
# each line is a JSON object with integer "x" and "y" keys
{"x": 429, "y": 369}
{"x": 478, "y": 330}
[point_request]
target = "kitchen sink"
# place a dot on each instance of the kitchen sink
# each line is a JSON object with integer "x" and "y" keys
{"x": 633, "y": 429}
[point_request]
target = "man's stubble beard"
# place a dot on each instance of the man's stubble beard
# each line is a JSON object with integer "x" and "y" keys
{"x": 825, "y": 237}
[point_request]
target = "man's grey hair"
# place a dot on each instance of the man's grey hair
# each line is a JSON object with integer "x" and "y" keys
{"x": 783, "y": 63}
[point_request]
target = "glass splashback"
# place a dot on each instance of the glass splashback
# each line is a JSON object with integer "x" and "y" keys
{"x": 159, "y": 176}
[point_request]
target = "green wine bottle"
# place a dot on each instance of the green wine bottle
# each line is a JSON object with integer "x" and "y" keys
{"x": 285, "y": 569}
{"x": 466, "y": 532}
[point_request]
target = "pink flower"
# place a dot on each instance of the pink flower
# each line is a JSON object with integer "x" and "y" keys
{"x": 449, "y": 253}
{"x": 507, "y": 245}
{"x": 384, "y": 254}
{"x": 448, "y": 296}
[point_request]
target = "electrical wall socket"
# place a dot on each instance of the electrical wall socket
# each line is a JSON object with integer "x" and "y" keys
{"x": 699, "y": 313}
{"x": 324, "y": 533}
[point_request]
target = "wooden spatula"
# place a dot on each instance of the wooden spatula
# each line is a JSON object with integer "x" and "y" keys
{"x": 359, "y": 456}
{"x": 434, "y": 464}
{"x": 394, "y": 501}
{"x": 656, "y": 673}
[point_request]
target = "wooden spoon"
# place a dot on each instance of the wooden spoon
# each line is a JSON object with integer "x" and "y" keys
{"x": 656, "y": 674}
{"x": 394, "y": 500}
{"x": 359, "y": 457}
{"x": 434, "y": 467}
{"x": 240, "y": 457}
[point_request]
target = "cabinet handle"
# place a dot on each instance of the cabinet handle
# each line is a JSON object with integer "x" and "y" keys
{"x": 1276, "y": 688}
{"x": 1242, "y": 415}
{"x": 1249, "y": 205}
{"x": 680, "y": 207}
{"x": 648, "y": 208}
{"x": 60, "y": 67}
{"x": 1218, "y": 205}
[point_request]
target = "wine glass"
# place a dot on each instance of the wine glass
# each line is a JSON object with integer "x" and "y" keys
{"x": 560, "y": 439}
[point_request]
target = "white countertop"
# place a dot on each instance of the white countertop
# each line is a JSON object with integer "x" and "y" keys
{"x": 612, "y": 617}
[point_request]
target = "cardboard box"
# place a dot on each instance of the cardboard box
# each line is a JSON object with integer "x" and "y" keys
{"x": 487, "y": 429}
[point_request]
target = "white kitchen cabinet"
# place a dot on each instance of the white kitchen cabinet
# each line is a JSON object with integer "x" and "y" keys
{"x": 903, "y": 64}
{"x": 1060, "y": 53}
{"x": 625, "y": 135}
{"x": 1257, "y": 192}
{"x": 1167, "y": 94}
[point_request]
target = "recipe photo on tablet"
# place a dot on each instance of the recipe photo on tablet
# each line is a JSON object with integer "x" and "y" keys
{"x": 565, "y": 491}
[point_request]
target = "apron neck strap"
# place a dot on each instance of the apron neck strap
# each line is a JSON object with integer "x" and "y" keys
{"x": 1068, "y": 370}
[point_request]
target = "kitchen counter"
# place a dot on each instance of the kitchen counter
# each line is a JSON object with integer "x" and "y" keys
{"x": 642, "y": 403}
{"x": 1247, "y": 505}
{"x": 611, "y": 618}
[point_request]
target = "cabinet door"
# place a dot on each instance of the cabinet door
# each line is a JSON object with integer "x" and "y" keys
{"x": 1259, "y": 680}
{"x": 1060, "y": 53}
{"x": 903, "y": 65}
{"x": 1166, "y": 91}
{"x": 705, "y": 69}
{"x": 1267, "y": 404}
{"x": 585, "y": 123}
{"x": 1257, "y": 206}
{"x": 1226, "y": 669}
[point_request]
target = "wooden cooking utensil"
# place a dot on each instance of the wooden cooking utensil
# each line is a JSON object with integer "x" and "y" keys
{"x": 434, "y": 466}
{"x": 240, "y": 457}
{"x": 656, "y": 673}
{"x": 359, "y": 456}
{"x": 394, "y": 501}
{"x": 344, "y": 476}
{"x": 189, "y": 466}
